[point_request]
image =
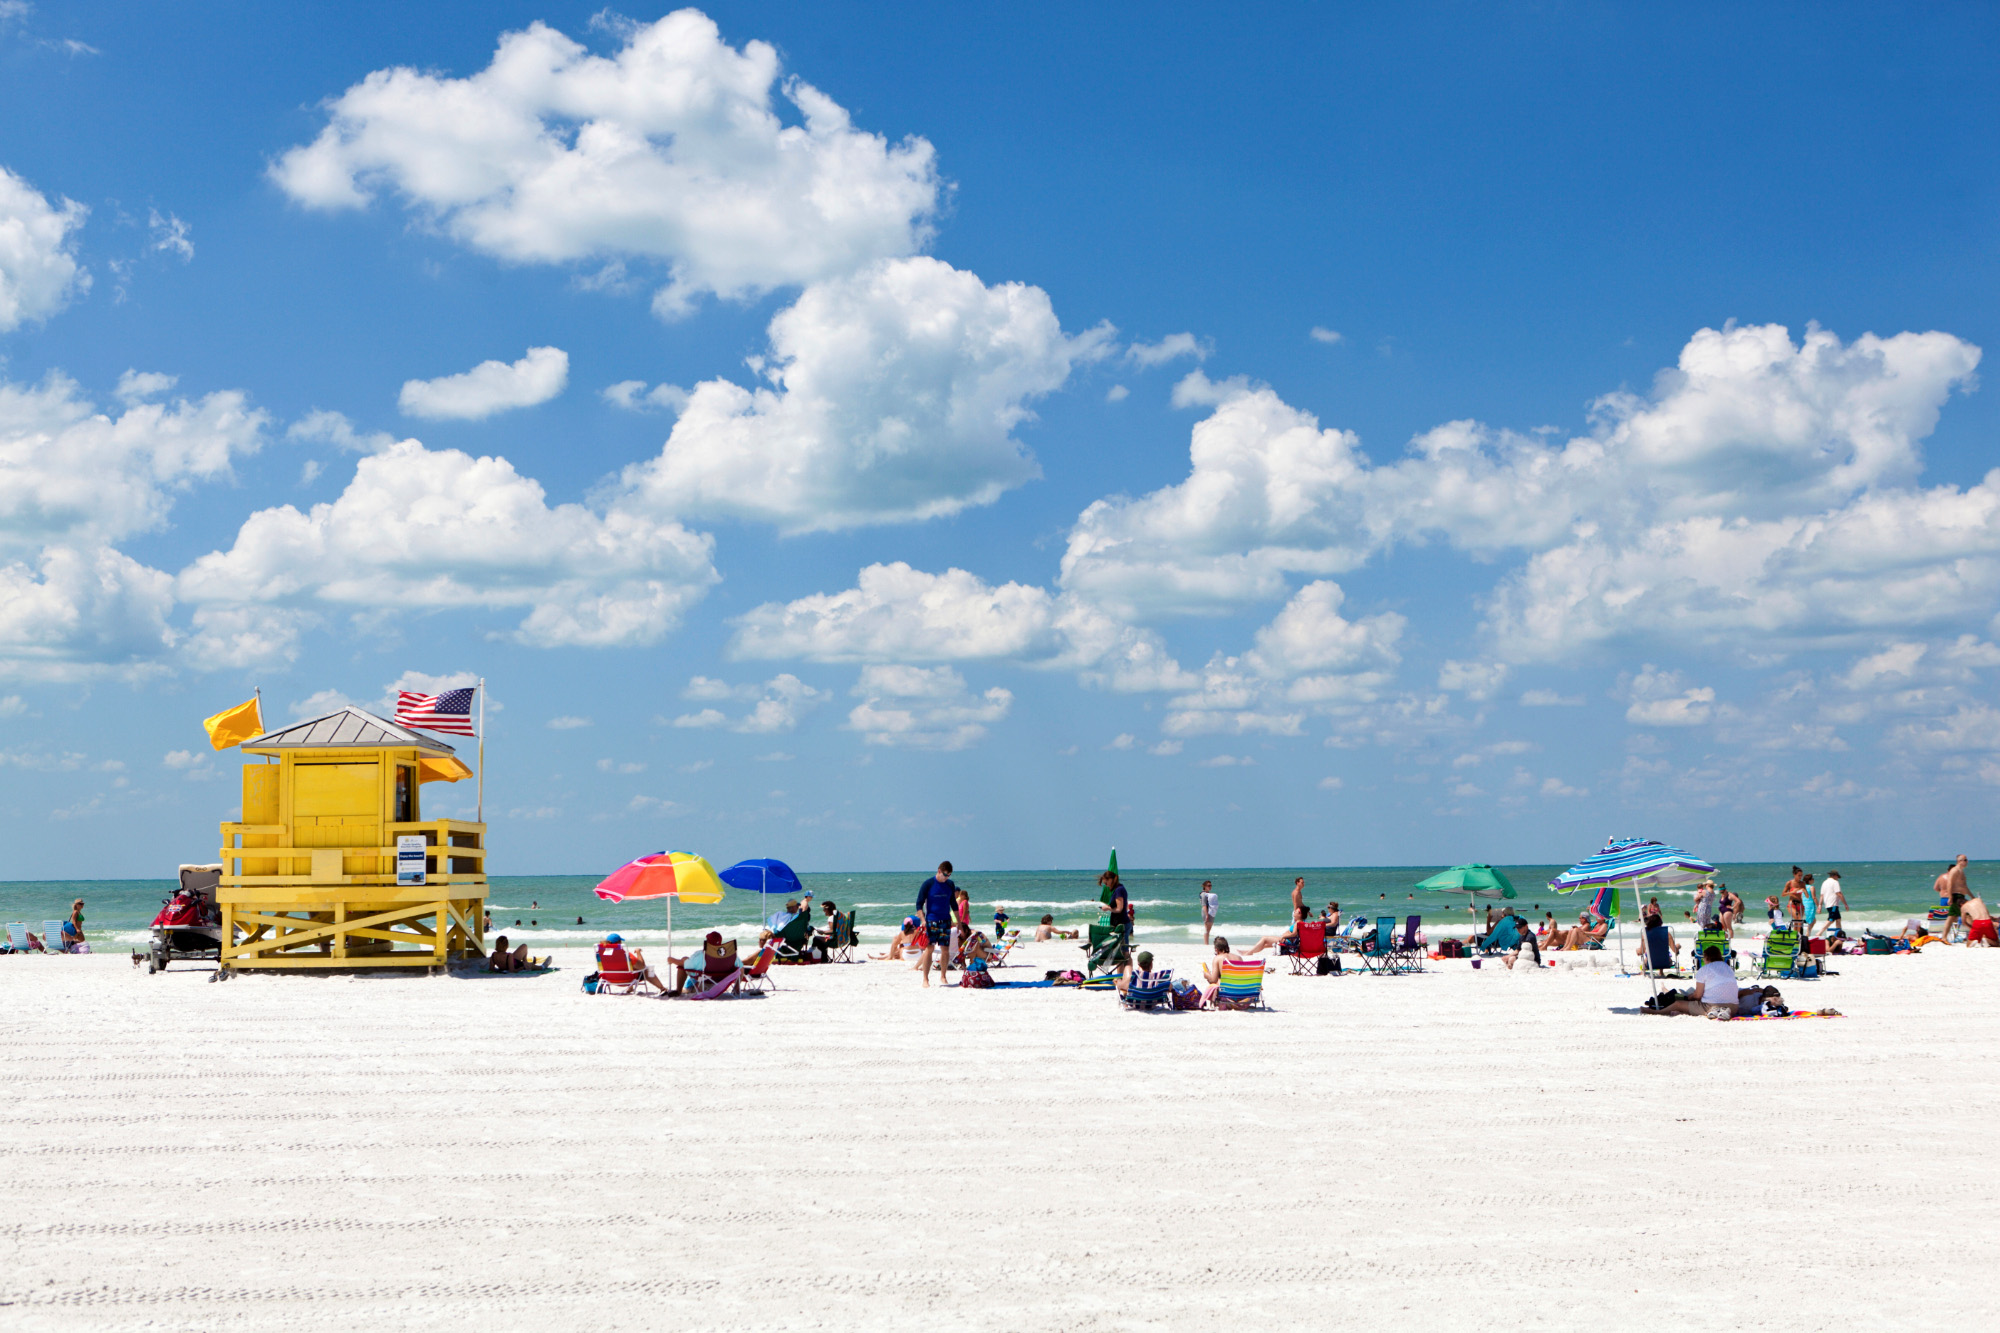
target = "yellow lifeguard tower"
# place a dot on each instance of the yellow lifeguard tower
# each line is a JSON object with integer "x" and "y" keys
{"x": 333, "y": 864}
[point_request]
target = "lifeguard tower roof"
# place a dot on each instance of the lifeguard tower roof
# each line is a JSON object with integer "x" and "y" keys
{"x": 350, "y": 726}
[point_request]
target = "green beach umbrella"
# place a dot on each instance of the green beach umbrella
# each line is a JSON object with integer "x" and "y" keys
{"x": 1479, "y": 881}
{"x": 1111, "y": 870}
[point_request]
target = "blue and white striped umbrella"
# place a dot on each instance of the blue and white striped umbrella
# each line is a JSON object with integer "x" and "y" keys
{"x": 1638, "y": 863}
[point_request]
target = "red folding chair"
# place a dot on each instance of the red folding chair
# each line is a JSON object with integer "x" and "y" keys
{"x": 615, "y": 973}
{"x": 1311, "y": 948}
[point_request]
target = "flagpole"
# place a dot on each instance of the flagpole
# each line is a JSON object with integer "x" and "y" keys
{"x": 482, "y": 751}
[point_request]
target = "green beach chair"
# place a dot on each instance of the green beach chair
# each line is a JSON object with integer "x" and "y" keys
{"x": 792, "y": 937}
{"x": 1109, "y": 948}
{"x": 1781, "y": 954}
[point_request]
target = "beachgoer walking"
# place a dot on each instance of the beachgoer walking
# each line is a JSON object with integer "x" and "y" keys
{"x": 936, "y": 898}
{"x": 1979, "y": 924}
{"x": 76, "y": 919}
{"x": 1208, "y": 904}
{"x": 1809, "y": 895}
{"x": 1730, "y": 908}
{"x": 1299, "y": 897}
{"x": 1835, "y": 903}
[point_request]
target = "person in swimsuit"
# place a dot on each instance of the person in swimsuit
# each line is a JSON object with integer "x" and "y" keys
{"x": 502, "y": 960}
{"x": 1957, "y": 890}
{"x": 905, "y": 938}
{"x": 1207, "y": 909}
{"x": 1285, "y": 943}
{"x": 1299, "y": 898}
{"x": 1047, "y": 931}
{"x": 1979, "y": 924}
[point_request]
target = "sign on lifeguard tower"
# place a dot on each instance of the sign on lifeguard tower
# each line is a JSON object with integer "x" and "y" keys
{"x": 410, "y": 858}
{"x": 333, "y": 863}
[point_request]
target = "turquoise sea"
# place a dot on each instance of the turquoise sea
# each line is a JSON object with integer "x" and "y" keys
{"x": 544, "y": 910}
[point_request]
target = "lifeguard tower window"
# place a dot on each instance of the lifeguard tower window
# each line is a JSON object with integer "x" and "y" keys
{"x": 405, "y": 789}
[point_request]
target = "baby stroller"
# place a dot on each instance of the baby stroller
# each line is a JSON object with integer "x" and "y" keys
{"x": 189, "y": 924}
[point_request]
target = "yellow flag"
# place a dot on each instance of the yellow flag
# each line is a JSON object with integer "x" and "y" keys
{"x": 233, "y": 726}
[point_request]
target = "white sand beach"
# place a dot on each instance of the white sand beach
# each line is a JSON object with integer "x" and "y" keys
{"x": 1468, "y": 1148}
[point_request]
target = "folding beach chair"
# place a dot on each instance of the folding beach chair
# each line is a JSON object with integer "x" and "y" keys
{"x": 757, "y": 976}
{"x": 840, "y": 939}
{"x": 1656, "y": 956}
{"x": 1149, "y": 990}
{"x": 1109, "y": 946}
{"x": 18, "y": 941}
{"x": 792, "y": 938}
{"x": 1242, "y": 985}
{"x": 1719, "y": 938}
{"x": 720, "y": 976}
{"x": 615, "y": 973}
{"x": 1781, "y": 953}
{"x": 1311, "y": 948}
{"x": 1378, "y": 947}
{"x": 1819, "y": 950}
{"x": 52, "y": 936}
{"x": 1409, "y": 954}
{"x": 1503, "y": 938}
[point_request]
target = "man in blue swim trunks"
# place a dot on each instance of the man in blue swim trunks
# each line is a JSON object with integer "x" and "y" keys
{"x": 935, "y": 899}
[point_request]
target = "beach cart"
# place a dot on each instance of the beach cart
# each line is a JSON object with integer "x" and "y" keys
{"x": 189, "y": 924}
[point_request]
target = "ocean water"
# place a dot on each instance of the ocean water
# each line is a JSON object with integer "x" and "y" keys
{"x": 545, "y": 911}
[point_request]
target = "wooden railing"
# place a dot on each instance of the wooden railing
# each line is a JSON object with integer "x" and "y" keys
{"x": 458, "y": 843}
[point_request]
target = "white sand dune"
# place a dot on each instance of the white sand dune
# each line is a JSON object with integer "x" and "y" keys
{"x": 1465, "y": 1148}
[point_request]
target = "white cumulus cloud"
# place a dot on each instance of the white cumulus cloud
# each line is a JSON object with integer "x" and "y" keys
{"x": 489, "y": 387}
{"x": 925, "y": 708}
{"x": 672, "y": 150}
{"x": 38, "y": 269}
{"x": 777, "y": 705}
{"x": 420, "y": 529}
{"x": 892, "y": 395}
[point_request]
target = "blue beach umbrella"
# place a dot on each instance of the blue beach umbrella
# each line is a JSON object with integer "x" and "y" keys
{"x": 1635, "y": 863}
{"x": 765, "y": 876}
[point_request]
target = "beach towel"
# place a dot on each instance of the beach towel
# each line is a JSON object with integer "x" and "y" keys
{"x": 1022, "y": 985}
{"x": 1774, "y": 1018}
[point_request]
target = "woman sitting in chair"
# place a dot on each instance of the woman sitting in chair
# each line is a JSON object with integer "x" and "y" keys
{"x": 1286, "y": 943}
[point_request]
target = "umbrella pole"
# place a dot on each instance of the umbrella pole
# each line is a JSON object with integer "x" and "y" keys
{"x": 670, "y": 929}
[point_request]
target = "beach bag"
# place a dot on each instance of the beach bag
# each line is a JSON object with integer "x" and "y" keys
{"x": 976, "y": 980}
{"x": 590, "y": 984}
{"x": 1451, "y": 948}
{"x": 1186, "y": 994}
{"x": 1329, "y": 965}
{"x": 1876, "y": 944}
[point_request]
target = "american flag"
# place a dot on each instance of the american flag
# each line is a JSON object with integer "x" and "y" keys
{"x": 450, "y": 712}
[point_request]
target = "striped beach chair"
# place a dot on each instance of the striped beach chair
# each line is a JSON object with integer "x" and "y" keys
{"x": 1242, "y": 985}
{"x": 1148, "y": 990}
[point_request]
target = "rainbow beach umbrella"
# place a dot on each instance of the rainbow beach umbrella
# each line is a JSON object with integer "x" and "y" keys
{"x": 668, "y": 875}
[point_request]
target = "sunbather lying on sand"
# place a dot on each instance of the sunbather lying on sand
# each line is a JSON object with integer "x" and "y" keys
{"x": 1047, "y": 931}
{"x": 502, "y": 960}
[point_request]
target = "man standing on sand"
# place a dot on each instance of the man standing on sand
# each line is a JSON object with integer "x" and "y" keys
{"x": 937, "y": 899}
{"x": 1958, "y": 891}
{"x": 1207, "y": 909}
{"x": 1299, "y": 898}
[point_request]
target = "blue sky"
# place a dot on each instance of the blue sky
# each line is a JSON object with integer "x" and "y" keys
{"x": 864, "y": 434}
